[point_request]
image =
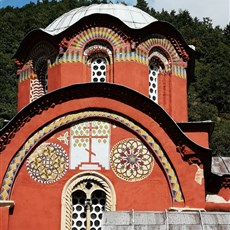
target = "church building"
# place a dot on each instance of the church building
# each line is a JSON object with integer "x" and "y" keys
{"x": 101, "y": 139}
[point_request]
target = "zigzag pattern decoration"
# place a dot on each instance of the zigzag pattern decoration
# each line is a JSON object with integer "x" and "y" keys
{"x": 36, "y": 89}
{"x": 96, "y": 33}
{"x": 24, "y": 151}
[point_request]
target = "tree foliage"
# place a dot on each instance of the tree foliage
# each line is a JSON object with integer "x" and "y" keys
{"x": 143, "y": 5}
{"x": 209, "y": 96}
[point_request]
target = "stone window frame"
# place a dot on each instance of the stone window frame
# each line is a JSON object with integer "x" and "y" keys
{"x": 99, "y": 49}
{"x": 163, "y": 64}
{"x": 71, "y": 185}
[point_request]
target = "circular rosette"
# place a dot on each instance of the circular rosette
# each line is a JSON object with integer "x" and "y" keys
{"x": 48, "y": 163}
{"x": 131, "y": 160}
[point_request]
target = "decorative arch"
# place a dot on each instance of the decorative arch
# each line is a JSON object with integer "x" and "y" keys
{"x": 98, "y": 55}
{"x": 24, "y": 152}
{"x": 35, "y": 68}
{"x": 38, "y": 58}
{"x": 159, "y": 62}
{"x": 164, "y": 44}
{"x": 102, "y": 182}
{"x": 162, "y": 58}
{"x": 98, "y": 50}
{"x": 42, "y": 50}
{"x": 93, "y": 33}
{"x": 25, "y": 72}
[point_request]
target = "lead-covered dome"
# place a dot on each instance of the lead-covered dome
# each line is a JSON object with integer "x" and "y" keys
{"x": 131, "y": 16}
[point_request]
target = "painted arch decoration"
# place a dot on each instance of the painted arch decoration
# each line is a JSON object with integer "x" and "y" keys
{"x": 161, "y": 41}
{"x": 176, "y": 61}
{"x": 96, "y": 33}
{"x": 24, "y": 152}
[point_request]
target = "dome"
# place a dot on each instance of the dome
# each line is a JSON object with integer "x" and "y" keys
{"x": 131, "y": 16}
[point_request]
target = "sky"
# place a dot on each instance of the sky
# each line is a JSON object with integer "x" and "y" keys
{"x": 217, "y": 10}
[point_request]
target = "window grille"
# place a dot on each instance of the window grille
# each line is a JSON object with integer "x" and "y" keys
{"x": 153, "y": 82}
{"x": 83, "y": 208}
{"x": 98, "y": 70}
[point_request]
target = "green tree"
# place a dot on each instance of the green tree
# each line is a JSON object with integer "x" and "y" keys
{"x": 143, "y": 5}
{"x": 220, "y": 140}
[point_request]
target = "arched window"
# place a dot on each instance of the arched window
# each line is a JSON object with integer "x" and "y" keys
{"x": 84, "y": 198}
{"x": 39, "y": 56}
{"x": 158, "y": 64}
{"x": 98, "y": 55}
{"x": 98, "y": 70}
{"x": 88, "y": 206}
{"x": 153, "y": 81}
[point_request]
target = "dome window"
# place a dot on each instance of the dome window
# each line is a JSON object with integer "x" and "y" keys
{"x": 98, "y": 70}
{"x": 153, "y": 81}
{"x": 99, "y": 58}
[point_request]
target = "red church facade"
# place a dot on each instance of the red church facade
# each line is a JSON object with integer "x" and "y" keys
{"x": 102, "y": 124}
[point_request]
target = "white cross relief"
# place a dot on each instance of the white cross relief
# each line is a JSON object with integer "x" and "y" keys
{"x": 94, "y": 154}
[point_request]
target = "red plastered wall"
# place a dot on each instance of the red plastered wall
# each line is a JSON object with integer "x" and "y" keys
{"x": 4, "y": 217}
{"x": 38, "y": 206}
{"x": 179, "y": 104}
{"x": 201, "y": 138}
{"x": 23, "y": 94}
{"x": 65, "y": 74}
{"x": 164, "y": 92}
{"x": 133, "y": 75}
{"x": 172, "y": 90}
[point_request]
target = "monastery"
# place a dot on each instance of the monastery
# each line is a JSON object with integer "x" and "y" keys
{"x": 102, "y": 139}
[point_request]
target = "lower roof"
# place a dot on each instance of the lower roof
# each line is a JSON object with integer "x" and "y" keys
{"x": 221, "y": 165}
{"x": 166, "y": 220}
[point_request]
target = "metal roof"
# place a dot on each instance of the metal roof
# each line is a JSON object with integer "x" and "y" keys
{"x": 166, "y": 220}
{"x": 221, "y": 165}
{"x": 131, "y": 16}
